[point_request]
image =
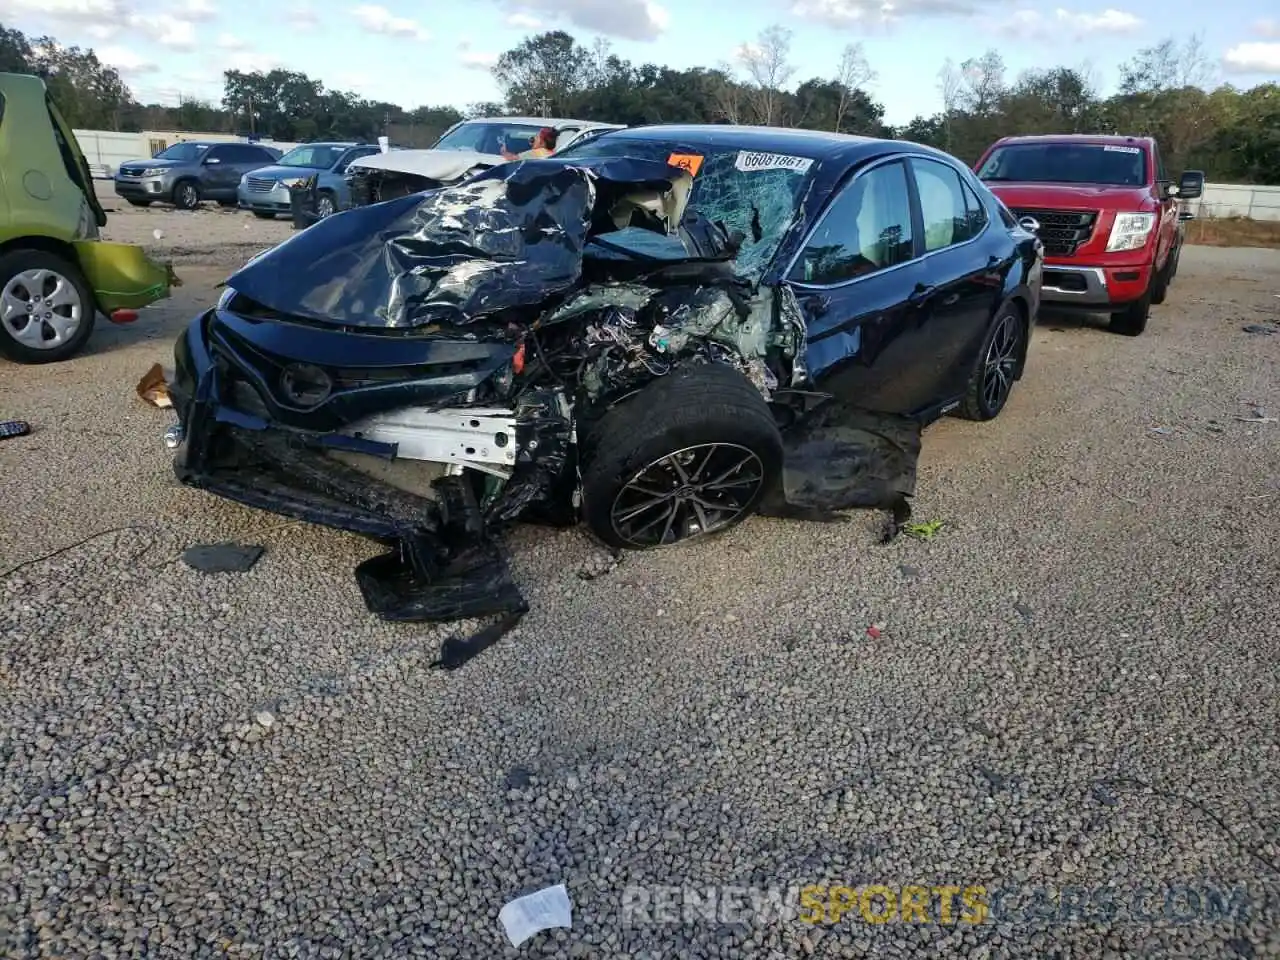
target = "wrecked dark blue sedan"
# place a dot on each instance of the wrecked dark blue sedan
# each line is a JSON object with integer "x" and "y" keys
{"x": 659, "y": 332}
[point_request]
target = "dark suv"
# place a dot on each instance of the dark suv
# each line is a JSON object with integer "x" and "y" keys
{"x": 191, "y": 171}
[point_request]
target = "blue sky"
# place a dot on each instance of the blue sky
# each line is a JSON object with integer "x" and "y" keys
{"x": 441, "y": 53}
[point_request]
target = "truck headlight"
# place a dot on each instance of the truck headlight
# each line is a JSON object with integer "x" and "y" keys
{"x": 1130, "y": 231}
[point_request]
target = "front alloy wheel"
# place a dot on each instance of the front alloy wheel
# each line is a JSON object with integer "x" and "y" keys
{"x": 325, "y": 206}
{"x": 186, "y": 196}
{"x": 700, "y": 489}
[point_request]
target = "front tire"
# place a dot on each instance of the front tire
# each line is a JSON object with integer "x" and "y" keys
{"x": 692, "y": 453}
{"x": 1160, "y": 285}
{"x": 46, "y": 307}
{"x": 1132, "y": 320}
{"x": 997, "y": 367}
{"x": 186, "y": 195}
{"x": 326, "y": 204}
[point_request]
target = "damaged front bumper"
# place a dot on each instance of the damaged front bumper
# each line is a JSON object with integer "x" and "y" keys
{"x": 348, "y": 430}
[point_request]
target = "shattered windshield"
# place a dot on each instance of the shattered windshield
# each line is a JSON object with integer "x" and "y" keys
{"x": 490, "y": 138}
{"x": 1114, "y": 165}
{"x": 313, "y": 155}
{"x": 755, "y": 193}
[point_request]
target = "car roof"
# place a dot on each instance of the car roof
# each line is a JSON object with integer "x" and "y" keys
{"x": 813, "y": 144}
{"x": 554, "y": 122}
{"x": 1099, "y": 139}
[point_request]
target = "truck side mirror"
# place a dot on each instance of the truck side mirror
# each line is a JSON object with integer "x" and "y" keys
{"x": 1191, "y": 185}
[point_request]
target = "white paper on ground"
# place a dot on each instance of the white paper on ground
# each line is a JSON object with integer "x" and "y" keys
{"x": 530, "y": 914}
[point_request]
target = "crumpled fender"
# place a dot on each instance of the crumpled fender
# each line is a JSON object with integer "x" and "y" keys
{"x": 122, "y": 276}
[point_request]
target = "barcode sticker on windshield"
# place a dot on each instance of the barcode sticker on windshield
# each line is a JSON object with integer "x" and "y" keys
{"x": 1121, "y": 150}
{"x": 751, "y": 162}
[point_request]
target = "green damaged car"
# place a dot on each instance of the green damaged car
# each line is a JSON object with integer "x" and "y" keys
{"x": 56, "y": 275}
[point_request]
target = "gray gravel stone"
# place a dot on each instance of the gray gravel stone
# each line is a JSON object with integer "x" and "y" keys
{"x": 1075, "y": 685}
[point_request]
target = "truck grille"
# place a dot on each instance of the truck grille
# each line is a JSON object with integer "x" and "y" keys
{"x": 131, "y": 171}
{"x": 1061, "y": 231}
{"x": 260, "y": 185}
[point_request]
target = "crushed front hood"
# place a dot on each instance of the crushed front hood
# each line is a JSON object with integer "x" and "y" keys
{"x": 511, "y": 238}
{"x": 442, "y": 165}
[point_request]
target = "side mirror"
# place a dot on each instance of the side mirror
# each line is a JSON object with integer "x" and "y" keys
{"x": 1191, "y": 185}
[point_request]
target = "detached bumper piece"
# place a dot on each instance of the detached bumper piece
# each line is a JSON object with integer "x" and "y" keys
{"x": 444, "y": 561}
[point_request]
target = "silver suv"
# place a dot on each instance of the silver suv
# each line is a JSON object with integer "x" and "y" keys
{"x": 190, "y": 172}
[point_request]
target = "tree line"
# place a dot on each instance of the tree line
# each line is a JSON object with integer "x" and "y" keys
{"x": 1164, "y": 91}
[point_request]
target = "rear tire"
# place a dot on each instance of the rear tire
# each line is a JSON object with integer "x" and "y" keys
{"x": 186, "y": 195}
{"x": 692, "y": 453}
{"x": 65, "y": 300}
{"x": 997, "y": 366}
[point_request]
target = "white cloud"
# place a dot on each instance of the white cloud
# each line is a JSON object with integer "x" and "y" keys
{"x": 1075, "y": 25}
{"x": 378, "y": 19}
{"x": 478, "y": 60}
{"x": 1108, "y": 21}
{"x": 1267, "y": 28}
{"x": 1253, "y": 58}
{"x": 522, "y": 21}
{"x": 229, "y": 41}
{"x": 625, "y": 19}
{"x": 126, "y": 61}
{"x": 77, "y": 11}
{"x": 249, "y": 61}
{"x": 198, "y": 11}
{"x": 302, "y": 16}
{"x": 166, "y": 30}
{"x": 845, "y": 13}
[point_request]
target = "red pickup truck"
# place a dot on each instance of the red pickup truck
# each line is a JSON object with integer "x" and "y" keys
{"x": 1107, "y": 213}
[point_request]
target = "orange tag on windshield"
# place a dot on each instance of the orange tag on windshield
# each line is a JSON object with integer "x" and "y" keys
{"x": 686, "y": 161}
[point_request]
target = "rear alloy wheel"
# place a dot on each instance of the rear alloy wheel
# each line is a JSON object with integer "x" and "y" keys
{"x": 993, "y": 377}
{"x": 186, "y": 195}
{"x": 46, "y": 307}
{"x": 326, "y": 205}
{"x": 692, "y": 453}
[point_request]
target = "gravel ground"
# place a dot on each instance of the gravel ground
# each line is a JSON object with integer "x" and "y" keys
{"x": 1074, "y": 683}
